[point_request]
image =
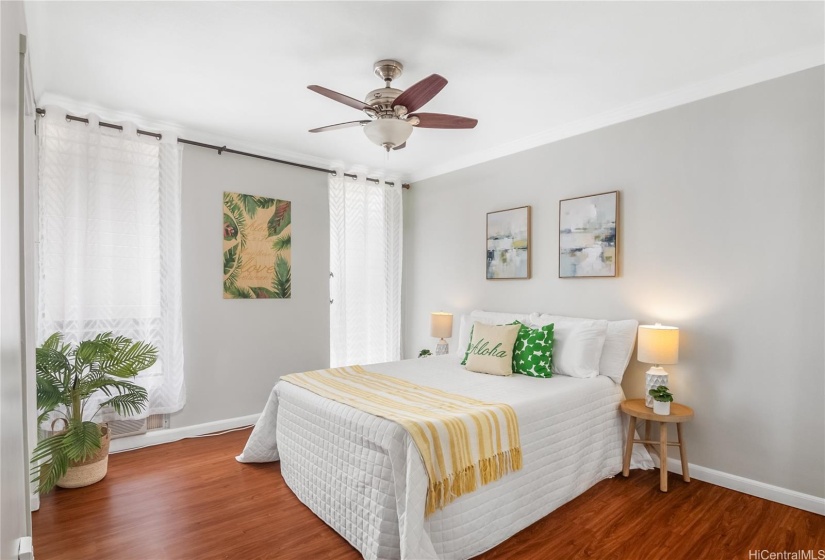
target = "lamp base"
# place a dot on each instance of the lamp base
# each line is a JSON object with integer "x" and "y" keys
{"x": 442, "y": 348}
{"x": 654, "y": 377}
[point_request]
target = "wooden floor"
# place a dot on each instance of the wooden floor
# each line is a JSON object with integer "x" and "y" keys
{"x": 192, "y": 500}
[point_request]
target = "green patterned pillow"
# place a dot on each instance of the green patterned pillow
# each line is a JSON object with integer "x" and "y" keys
{"x": 533, "y": 353}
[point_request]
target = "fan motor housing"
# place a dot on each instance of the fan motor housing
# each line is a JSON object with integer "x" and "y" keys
{"x": 381, "y": 99}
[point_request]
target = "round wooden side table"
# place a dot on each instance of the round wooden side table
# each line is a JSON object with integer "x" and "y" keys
{"x": 635, "y": 408}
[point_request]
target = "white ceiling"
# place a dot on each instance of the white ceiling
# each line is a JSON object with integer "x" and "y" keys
{"x": 236, "y": 72}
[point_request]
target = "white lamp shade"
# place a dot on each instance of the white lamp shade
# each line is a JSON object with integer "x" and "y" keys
{"x": 388, "y": 132}
{"x": 441, "y": 325}
{"x": 658, "y": 344}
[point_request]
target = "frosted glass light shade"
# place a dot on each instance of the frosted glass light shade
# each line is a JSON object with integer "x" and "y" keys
{"x": 388, "y": 133}
{"x": 441, "y": 325}
{"x": 658, "y": 344}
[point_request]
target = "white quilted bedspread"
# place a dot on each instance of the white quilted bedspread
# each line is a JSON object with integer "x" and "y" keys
{"x": 364, "y": 477}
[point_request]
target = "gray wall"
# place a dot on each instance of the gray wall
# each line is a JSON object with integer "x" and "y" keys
{"x": 14, "y": 514}
{"x": 721, "y": 234}
{"x": 234, "y": 350}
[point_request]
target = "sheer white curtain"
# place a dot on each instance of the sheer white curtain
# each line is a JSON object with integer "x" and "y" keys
{"x": 110, "y": 236}
{"x": 365, "y": 262}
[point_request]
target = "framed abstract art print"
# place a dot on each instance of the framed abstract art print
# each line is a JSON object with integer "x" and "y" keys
{"x": 508, "y": 244}
{"x": 588, "y": 236}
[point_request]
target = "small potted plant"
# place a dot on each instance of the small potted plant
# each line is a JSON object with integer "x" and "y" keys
{"x": 661, "y": 400}
{"x": 424, "y": 353}
{"x": 67, "y": 376}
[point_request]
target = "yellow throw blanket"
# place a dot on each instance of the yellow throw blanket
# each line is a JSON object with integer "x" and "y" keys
{"x": 461, "y": 440}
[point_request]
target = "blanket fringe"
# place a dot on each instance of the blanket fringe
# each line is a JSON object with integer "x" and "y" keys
{"x": 444, "y": 491}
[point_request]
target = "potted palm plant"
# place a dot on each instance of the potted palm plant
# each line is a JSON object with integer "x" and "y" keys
{"x": 67, "y": 377}
{"x": 661, "y": 400}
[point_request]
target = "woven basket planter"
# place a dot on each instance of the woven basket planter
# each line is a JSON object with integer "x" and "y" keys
{"x": 92, "y": 469}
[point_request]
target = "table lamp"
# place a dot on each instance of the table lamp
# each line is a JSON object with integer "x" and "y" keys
{"x": 441, "y": 327}
{"x": 658, "y": 345}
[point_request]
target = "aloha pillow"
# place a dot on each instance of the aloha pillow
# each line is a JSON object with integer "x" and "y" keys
{"x": 533, "y": 352}
{"x": 488, "y": 317}
{"x": 469, "y": 336}
{"x": 491, "y": 349}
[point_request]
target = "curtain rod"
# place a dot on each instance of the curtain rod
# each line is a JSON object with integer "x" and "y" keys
{"x": 222, "y": 149}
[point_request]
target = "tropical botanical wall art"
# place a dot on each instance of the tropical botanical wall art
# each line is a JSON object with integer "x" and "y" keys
{"x": 257, "y": 247}
{"x": 508, "y": 244}
{"x": 587, "y": 235}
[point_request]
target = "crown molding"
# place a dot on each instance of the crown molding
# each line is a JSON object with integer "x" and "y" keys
{"x": 765, "y": 70}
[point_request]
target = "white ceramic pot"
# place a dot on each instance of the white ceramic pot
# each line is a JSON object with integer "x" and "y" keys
{"x": 661, "y": 408}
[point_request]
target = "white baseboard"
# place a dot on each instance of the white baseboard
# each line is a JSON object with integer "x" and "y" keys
{"x": 733, "y": 482}
{"x": 748, "y": 486}
{"x": 157, "y": 437}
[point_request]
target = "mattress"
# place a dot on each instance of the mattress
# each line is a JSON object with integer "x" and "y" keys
{"x": 364, "y": 477}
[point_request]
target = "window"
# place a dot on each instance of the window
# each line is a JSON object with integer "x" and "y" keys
{"x": 109, "y": 252}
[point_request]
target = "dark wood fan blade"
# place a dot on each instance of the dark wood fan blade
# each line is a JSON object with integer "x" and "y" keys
{"x": 420, "y": 93}
{"x": 438, "y": 120}
{"x": 340, "y": 97}
{"x": 339, "y": 125}
{"x": 400, "y": 146}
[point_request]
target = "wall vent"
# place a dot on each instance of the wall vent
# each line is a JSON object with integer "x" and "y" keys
{"x": 123, "y": 428}
{"x": 157, "y": 422}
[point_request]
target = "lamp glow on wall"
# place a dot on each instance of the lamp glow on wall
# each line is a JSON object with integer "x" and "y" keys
{"x": 658, "y": 345}
{"x": 441, "y": 327}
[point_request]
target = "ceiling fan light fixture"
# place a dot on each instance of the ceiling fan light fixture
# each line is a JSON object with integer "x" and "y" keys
{"x": 394, "y": 112}
{"x": 388, "y": 133}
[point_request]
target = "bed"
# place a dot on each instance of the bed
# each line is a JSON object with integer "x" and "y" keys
{"x": 364, "y": 477}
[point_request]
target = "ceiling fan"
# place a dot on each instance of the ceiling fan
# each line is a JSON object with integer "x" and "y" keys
{"x": 391, "y": 111}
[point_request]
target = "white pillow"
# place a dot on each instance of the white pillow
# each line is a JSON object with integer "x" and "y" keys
{"x": 487, "y": 317}
{"x": 577, "y": 344}
{"x": 618, "y": 343}
{"x": 498, "y": 318}
{"x": 618, "y": 348}
{"x": 463, "y": 335}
